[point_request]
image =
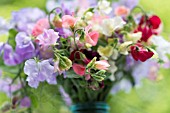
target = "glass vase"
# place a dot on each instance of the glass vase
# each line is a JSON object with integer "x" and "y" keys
{"x": 90, "y": 107}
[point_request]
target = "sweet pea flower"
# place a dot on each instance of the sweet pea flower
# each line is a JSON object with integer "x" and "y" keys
{"x": 24, "y": 46}
{"x": 104, "y": 7}
{"x": 140, "y": 53}
{"x": 79, "y": 69}
{"x": 47, "y": 38}
{"x": 112, "y": 24}
{"x": 124, "y": 47}
{"x": 68, "y": 21}
{"x": 162, "y": 47}
{"x": 91, "y": 37}
{"x": 39, "y": 72}
{"x": 122, "y": 11}
{"x": 25, "y": 102}
{"x": 134, "y": 37}
{"x": 11, "y": 58}
{"x": 40, "y": 26}
{"x": 25, "y": 19}
{"x": 155, "y": 21}
{"x": 102, "y": 65}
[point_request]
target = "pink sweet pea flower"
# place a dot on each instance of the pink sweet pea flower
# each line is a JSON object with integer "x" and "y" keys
{"x": 68, "y": 21}
{"x": 122, "y": 11}
{"x": 102, "y": 65}
{"x": 47, "y": 38}
{"x": 40, "y": 26}
{"x": 91, "y": 37}
{"x": 79, "y": 69}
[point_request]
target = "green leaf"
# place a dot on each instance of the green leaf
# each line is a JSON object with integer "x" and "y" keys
{"x": 91, "y": 63}
{"x": 11, "y": 38}
{"x": 89, "y": 10}
{"x": 82, "y": 36}
{"x": 34, "y": 100}
{"x": 97, "y": 77}
{"x": 72, "y": 74}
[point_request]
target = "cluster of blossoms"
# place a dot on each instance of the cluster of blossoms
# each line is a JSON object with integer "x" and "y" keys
{"x": 95, "y": 45}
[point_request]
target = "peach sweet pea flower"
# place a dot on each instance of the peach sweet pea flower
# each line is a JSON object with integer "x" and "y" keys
{"x": 79, "y": 69}
{"x": 102, "y": 64}
{"x": 68, "y": 21}
{"x": 121, "y": 11}
{"x": 40, "y": 26}
{"x": 91, "y": 37}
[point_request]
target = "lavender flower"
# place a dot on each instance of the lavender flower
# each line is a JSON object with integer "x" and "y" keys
{"x": 64, "y": 32}
{"x": 25, "y": 19}
{"x": 24, "y": 46}
{"x": 39, "y": 72}
{"x": 128, "y": 3}
{"x": 49, "y": 37}
{"x": 4, "y": 26}
{"x": 10, "y": 57}
{"x": 123, "y": 85}
{"x": 65, "y": 96}
{"x": 6, "y": 87}
{"x": 65, "y": 4}
{"x": 25, "y": 102}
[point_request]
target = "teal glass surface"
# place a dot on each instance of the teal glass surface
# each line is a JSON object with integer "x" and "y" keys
{"x": 96, "y": 107}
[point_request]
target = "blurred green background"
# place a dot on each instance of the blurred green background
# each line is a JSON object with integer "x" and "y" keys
{"x": 152, "y": 97}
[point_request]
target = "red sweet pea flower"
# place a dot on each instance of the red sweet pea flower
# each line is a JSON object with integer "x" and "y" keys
{"x": 139, "y": 53}
{"x": 147, "y": 26}
{"x": 155, "y": 21}
{"x": 79, "y": 69}
{"x": 146, "y": 33}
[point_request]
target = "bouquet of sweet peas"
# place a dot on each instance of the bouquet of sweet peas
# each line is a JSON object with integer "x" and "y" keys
{"x": 90, "y": 51}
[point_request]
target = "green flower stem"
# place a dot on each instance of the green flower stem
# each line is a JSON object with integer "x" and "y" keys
{"x": 52, "y": 11}
{"x": 138, "y": 7}
{"x": 75, "y": 32}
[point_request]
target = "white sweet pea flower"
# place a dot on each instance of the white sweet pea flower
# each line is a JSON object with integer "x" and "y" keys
{"x": 88, "y": 15}
{"x": 163, "y": 47}
{"x": 104, "y": 7}
{"x": 123, "y": 48}
{"x": 112, "y": 69}
{"x": 109, "y": 25}
{"x": 133, "y": 37}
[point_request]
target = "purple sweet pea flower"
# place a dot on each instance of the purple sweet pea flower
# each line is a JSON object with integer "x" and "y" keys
{"x": 25, "y": 102}
{"x": 7, "y": 88}
{"x": 123, "y": 85}
{"x": 64, "y": 32}
{"x": 10, "y": 57}
{"x": 65, "y": 4}
{"x": 141, "y": 70}
{"x": 39, "y": 72}
{"x": 128, "y": 3}
{"x": 47, "y": 38}
{"x": 4, "y": 26}
{"x": 24, "y": 46}
{"x": 26, "y": 18}
{"x": 65, "y": 96}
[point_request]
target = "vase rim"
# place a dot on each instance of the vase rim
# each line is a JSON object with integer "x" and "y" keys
{"x": 90, "y": 105}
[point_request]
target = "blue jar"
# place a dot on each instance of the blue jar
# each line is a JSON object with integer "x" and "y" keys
{"x": 90, "y": 107}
